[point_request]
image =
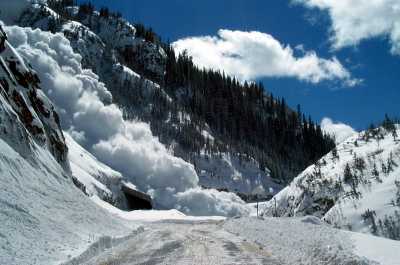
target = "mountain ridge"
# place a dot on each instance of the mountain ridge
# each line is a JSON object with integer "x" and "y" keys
{"x": 355, "y": 186}
{"x": 175, "y": 102}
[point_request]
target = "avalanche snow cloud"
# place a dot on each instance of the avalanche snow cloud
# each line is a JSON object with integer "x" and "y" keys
{"x": 252, "y": 55}
{"x": 357, "y": 20}
{"x": 88, "y": 115}
{"x": 339, "y": 130}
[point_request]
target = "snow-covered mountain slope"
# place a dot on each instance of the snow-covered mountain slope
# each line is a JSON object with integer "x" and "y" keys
{"x": 44, "y": 217}
{"x": 96, "y": 178}
{"x": 101, "y": 41}
{"x": 109, "y": 47}
{"x": 356, "y": 186}
{"x": 235, "y": 173}
{"x": 86, "y": 112}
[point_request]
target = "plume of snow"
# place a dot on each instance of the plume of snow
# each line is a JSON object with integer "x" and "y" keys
{"x": 339, "y": 130}
{"x": 130, "y": 147}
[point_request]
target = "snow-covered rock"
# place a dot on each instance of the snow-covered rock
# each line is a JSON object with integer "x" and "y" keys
{"x": 97, "y": 178}
{"x": 23, "y": 102}
{"x": 356, "y": 186}
{"x": 100, "y": 39}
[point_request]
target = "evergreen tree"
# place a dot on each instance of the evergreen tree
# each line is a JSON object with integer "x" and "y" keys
{"x": 348, "y": 176}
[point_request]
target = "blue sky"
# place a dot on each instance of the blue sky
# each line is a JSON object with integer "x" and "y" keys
{"x": 370, "y": 60}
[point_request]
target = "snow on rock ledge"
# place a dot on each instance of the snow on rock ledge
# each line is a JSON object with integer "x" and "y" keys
{"x": 23, "y": 102}
{"x": 94, "y": 177}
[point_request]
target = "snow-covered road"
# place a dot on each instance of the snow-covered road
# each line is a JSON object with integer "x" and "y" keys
{"x": 279, "y": 241}
{"x": 184, "y": 242}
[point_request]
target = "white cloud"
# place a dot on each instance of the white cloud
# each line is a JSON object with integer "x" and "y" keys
{"x": 357, "y": 20}
{"x": 252, "y": 55}
{"x": 129, "y": 147}
{"x": 339, "y": 130}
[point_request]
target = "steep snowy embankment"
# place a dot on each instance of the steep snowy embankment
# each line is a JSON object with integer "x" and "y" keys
{"x": 44, "y": 218}
{"x": 94, "y": 177}
{"x": 356, "y": 186}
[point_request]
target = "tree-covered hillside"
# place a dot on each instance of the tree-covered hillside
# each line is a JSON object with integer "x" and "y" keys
{"x": 243, "y": 118}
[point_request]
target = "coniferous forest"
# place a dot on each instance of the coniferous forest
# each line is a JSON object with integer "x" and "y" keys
{"x": 249, "y": 118}
{"x": 244, "y": 118}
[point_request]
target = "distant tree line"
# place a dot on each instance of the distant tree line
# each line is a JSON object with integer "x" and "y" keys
{"x": 250, "y": 120}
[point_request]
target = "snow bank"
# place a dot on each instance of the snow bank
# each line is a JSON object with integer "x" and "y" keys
{"x": 151, "y": 215}
{"x": 129, "y": 147}
{"x": 44, "y": 218}
{"x": 383, "y": 251}
{"x": 299, "y": 241}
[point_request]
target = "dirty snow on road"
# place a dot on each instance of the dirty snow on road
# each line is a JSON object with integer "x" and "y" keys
{"x": 271, "y": 241}
{"x": 171, "y": 237}
{"x": 183, "y": 242}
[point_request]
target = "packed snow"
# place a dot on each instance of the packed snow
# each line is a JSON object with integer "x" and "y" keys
{"x": 380, "y": 250}
{"x": 273, "y": 241}
{"x": 44, "y": 218}
{"x": 308, "y": 241}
